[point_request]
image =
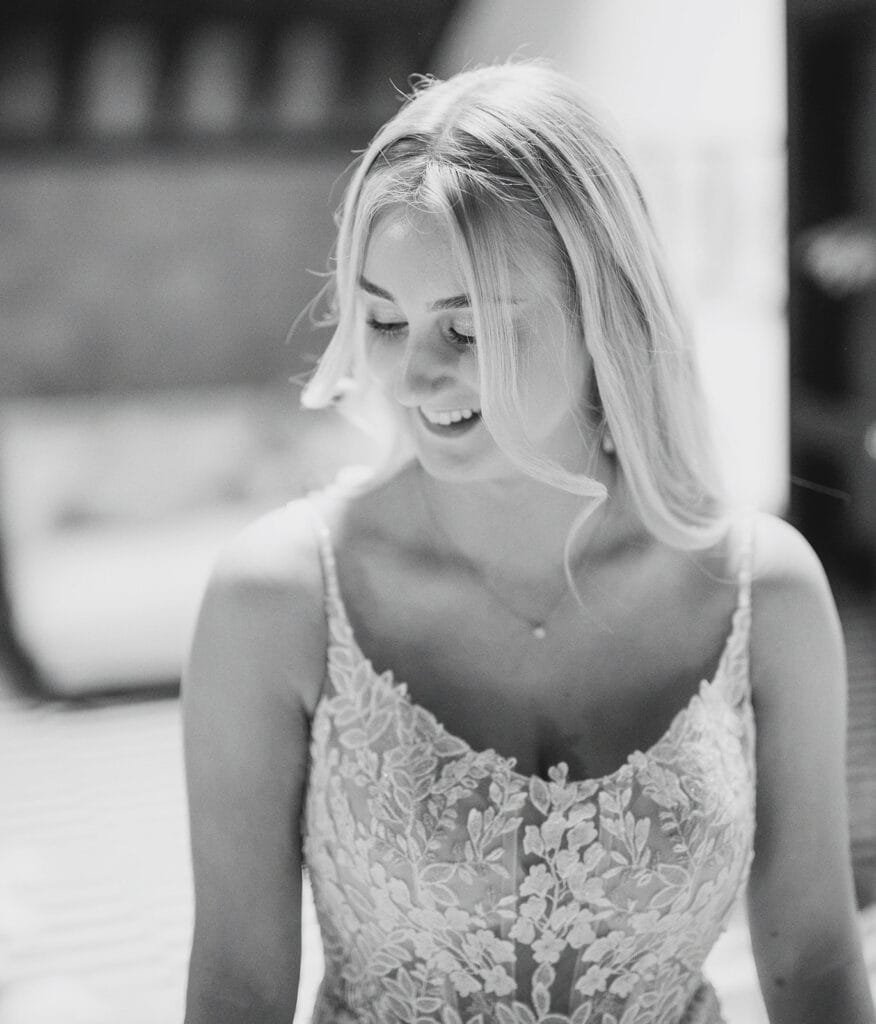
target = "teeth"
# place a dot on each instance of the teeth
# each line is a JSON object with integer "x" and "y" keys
{"x": 448, "y": 416}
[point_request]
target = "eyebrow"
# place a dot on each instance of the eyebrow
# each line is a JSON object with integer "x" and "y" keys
{"x": 454, "y": 302}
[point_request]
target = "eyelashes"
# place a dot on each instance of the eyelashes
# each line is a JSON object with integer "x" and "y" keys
{"x": 391, "y": 329}
{"x": 382, "y": 327}
{"x": 461, "y": 339}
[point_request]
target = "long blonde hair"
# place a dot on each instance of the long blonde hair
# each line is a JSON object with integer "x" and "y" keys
{"x": 515, "y": 165}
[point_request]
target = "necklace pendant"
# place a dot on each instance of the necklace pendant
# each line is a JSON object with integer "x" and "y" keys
{"x": 539, "y": 632}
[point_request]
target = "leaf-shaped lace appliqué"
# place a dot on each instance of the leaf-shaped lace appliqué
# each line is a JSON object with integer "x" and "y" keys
{"x": 454, "y": 889}
{"x": 449, "y": 886}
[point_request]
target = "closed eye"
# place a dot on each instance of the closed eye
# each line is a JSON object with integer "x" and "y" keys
{"x": 392, "y": 327}
{"x": 461, "y": 339}
{"x": 386, "y": 327}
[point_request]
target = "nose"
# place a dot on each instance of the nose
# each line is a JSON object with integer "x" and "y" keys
{"x": 426, "y": 365}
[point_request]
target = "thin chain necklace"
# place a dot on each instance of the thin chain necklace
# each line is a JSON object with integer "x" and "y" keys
{"x": 537, "y": 627}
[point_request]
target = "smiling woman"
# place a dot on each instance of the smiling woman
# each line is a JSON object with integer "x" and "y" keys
{"x": 510, "y": 698}
{"x": 458, "y": 331}
{"x": 424, "y": 329}
{"x": 553, "y": 204}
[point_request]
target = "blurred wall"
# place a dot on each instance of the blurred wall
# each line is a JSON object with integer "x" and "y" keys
{"x": 168, "y": 175}
{"x": 158, "y": 271}
{"x": 130, "y": 263}
{"x": 696, "y": 88}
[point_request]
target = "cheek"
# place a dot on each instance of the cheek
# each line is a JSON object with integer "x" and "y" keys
{"x": 381, "y": 357}
{"x": 544, "y": 404}
{"x": 557, "y": 373}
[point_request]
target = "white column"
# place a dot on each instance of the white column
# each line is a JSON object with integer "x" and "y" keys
{"x": 696, "y": 90}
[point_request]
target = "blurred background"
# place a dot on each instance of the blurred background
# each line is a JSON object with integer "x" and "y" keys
{"x": 168, "y": 175}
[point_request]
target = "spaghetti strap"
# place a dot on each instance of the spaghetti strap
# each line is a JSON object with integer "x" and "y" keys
{"x": 746, "y": 558}
{"x": 336, "y": 613}
{"x": 733, "y": 670}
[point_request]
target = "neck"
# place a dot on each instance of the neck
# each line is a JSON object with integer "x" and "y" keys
{"x": 518, "y": 529}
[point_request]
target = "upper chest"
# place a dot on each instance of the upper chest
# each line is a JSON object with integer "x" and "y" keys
{"x": 609, "y": 676}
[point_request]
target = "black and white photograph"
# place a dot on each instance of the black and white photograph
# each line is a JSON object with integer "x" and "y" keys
{"x": 438, "y": 512}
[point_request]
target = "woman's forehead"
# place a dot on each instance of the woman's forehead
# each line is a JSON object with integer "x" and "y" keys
{"x": 415, "y": 251}
{"x": 404, "y": 240}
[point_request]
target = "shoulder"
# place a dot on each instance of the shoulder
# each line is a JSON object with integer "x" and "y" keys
{"x": 796, "y": 637}
{"x": 249, "y": 690}
{"x": 263, "y": 605}
{"x": 801, "y": 906}
{"x": 790, "y": 592}
{"x": 275, "y": 555}
{"x": 781, "y": 555}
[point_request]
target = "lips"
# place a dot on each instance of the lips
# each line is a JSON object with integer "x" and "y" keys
{"x": 444, "y": 417}
{"x": 449, "y": 422}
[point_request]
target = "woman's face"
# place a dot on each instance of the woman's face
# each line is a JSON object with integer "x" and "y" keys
{"x": 421, "y": 348}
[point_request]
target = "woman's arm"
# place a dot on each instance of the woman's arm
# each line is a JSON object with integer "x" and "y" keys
{"x": 252, "y": 681}
{"x": 801, "y": 899}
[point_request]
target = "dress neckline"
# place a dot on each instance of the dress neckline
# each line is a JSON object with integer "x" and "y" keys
{"x": 343, "y": 636}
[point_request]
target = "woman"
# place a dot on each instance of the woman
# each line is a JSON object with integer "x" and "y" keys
{"x": 547, "y": 561}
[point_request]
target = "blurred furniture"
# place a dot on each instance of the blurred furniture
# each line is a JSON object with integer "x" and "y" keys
{"x": 168, "y": 175}
{"x": 116, "y": 506}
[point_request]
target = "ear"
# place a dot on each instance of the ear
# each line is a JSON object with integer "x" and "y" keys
{"x": 596, "y": 412}
{"x": 594, "y": 405}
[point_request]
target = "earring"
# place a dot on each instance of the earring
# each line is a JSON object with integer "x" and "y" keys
{"x": 608, "y": 442}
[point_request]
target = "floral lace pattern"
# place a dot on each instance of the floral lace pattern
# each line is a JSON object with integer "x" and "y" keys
{"x": 451, "y": 888}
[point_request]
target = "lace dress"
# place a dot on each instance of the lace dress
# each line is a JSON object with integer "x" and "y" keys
{"x": 451, "y": 888}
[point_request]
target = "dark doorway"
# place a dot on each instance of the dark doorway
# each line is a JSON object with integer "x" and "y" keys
{"x": 832, "y": 298}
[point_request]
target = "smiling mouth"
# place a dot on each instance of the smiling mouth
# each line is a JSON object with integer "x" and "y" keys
{"x": 449, "y": 424}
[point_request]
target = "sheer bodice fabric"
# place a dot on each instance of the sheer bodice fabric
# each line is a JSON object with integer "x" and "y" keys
{"x": 451, "y": 888}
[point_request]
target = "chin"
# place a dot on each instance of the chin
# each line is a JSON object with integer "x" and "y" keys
{"x": 461, "y": 462}
{"x": 465, "y": 470}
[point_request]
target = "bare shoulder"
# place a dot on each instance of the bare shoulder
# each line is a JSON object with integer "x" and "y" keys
{"x": 278, "y": 552}
{"x": 796, "y": 638}
{"x": 264, "y": 598}
{"x": 249, "y": 690}
{"x": 782, "y": 557}
{"x": 800, "y": 894}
